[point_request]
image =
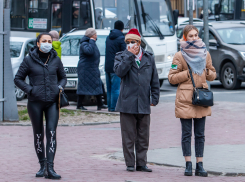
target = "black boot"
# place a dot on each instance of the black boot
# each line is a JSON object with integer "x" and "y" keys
{"x": 102, "y": 107}
{"x": 43, "y": 168}
{"x": 82, "y": 108}
{"x": 51, "y": 173}
{"x": 143, "y": 168}
{"x": 188, "y": 168}
{"x": 200, "y": 171}
{"x": 130, "y": 168}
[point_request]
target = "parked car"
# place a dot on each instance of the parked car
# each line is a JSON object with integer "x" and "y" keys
{"x": 227, "y": 49}
{"x": 185, "y": 21}
{"x": 19, "y": 48}
{"x": 70, "y": 44}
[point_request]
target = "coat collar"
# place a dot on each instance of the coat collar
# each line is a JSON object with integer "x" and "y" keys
{"x": 33, "y": 53}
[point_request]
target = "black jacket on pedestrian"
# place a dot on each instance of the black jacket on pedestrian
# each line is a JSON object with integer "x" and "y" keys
{"x": 114, "y": 43}
{"x": 89, "y": 81}
{"x": 44, "y": 80}
{"x": 138, "y": 85}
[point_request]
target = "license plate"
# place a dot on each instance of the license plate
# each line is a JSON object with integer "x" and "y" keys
{"x": 71, "y": 84}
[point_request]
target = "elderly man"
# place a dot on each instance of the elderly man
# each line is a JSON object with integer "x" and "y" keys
{"x": 139, "y": 90}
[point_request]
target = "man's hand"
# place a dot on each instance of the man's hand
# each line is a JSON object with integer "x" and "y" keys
{"x": 134, "y": 49}
{"x": 152, "y": 105}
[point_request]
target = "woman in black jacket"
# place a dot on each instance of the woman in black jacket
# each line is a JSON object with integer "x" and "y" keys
{"x": 47, "y": 76}
{"x": 89, "y": 82}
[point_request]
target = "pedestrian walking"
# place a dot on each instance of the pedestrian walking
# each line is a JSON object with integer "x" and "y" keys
{"x": 139, "y": 90}
{"x": 114, "y": 43}
{"x": 194, "y": 53}
{"x": 89, "y": 82}
{"x": 56, "y": 43}
{"x": 47, "y": 77}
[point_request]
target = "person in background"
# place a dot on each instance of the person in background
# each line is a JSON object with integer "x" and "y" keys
{"x": 47, "y": 76}
{"x": 56, "y": 43}
{"x": 89, "y": 82}
{"x": 193, "y": 53}
{"x": 114, "y": 43}
{"x": 139, "y": 90}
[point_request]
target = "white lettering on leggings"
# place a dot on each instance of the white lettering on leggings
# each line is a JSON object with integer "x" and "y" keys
{"x": 52, "y": 142}
{"x": 39, "y": 149}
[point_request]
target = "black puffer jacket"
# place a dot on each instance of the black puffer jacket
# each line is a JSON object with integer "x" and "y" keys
{"x": 44, "y": 80}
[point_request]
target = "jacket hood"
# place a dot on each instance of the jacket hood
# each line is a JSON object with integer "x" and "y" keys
{"x": 115, "y": 33}
{"x": 33, "y": 53}
{"x": 84, "y": 39}
{"x": 56, "y": 44}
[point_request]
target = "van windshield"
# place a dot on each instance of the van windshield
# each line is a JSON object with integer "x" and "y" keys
{"x": 235, "y": 36}
{"x": 15, "y": 49}
{"x": 71, "y": 45}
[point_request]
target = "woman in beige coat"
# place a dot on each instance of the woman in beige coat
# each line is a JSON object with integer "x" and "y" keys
{"x": 194, "y": 53}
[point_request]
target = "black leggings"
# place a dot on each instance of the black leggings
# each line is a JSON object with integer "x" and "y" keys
{"x": 51, "y": 111}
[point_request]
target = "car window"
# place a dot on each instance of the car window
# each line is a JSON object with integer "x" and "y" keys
{"x": 15, "y": 49}
{"x": 28, "y": 46}
{"x": 71, "y": 45}
{"x": 211, "y": 35}
{"x": 179, "y": 33}
{"x": 232, "y": 35}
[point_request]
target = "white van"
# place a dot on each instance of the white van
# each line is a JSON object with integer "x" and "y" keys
{"x": 70, "y": 57}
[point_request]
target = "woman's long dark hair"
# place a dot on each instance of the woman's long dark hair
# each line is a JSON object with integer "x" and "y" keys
{"x": 40, "y": 36}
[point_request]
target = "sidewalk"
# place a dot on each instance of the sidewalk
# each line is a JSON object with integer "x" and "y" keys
{"x": 85, "y": 153}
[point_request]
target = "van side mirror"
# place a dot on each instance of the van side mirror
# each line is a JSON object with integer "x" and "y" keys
{"x": 213, "y": 43}
{"x": 176, "y": 15}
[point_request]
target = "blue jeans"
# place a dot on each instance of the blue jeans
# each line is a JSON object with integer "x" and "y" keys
{"x": 113, "y": 90}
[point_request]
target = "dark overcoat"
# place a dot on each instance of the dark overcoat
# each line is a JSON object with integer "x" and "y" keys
{"x": 139, "y": 86}
{"x": 114, "y": 44}
{"x": 89, "y": 81}
{"x": 44, "y": 80}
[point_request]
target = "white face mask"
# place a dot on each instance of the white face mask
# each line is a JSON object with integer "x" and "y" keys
{"x": 131, "y": 45}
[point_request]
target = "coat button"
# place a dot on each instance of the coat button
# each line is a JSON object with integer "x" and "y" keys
{"x": 138, "y": 73}
{"x": 139, "y": 84}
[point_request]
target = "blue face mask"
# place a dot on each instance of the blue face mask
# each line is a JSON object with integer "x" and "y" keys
{"x": 45, "y": 47}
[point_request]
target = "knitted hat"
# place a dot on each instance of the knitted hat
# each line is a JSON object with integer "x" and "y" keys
{"x": 133, "y": 34}
{"x": 119, "y": 25}
{"x": 90, "y": 32}
{"x": 55, "y": 35}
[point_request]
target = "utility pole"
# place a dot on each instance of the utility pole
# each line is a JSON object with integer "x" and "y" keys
{"x": 191, "y": 12}
{"x": 206, "y": 28}
{"x": 8, "y": 104}
{"x": 131, "y": 14}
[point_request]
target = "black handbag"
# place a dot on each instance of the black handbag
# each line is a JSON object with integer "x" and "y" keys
{"x": 63, "y": 99}
{"x": 201, "y": 96}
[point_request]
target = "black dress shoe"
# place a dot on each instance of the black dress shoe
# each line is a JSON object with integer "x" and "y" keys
{"x": 130, "y": 168}
{"x": 43, "y": 169}
{"x": 143, "y": 168}
{"x": 102, "y": 107}
{"x": 200, "y": 171}
{"x": 51, "y": 173}
{"x": 82, "y": 108}
{"x": 188, "y": 169}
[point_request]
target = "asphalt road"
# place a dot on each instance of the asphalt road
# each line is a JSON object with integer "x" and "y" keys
{"x": 168, "y": 93}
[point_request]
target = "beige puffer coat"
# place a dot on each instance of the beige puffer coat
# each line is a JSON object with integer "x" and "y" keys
{"x": 180, "y": 75}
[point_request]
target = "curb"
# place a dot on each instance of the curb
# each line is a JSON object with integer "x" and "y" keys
{"x": 83, "y": 124}
{"x": 215, "y": 173}
{"x": 97, "y": 112}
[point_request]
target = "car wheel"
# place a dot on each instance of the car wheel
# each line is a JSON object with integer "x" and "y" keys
{"x": 229, "y": 77}
{"x": 20, "y": 95}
